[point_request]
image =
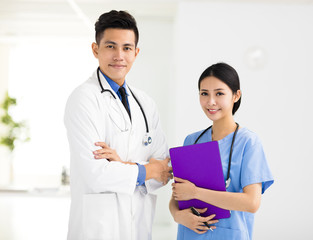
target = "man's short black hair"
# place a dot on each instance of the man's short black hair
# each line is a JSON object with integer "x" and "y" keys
{"x": 116, "y": 19}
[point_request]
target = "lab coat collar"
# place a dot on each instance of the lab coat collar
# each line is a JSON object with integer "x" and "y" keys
{"x": 114, "y": 85}
{"x": 116, "y": 103}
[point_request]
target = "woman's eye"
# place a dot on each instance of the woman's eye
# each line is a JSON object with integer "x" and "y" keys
{"x": 219, "y": 94}
{"x": 204, "y": 94}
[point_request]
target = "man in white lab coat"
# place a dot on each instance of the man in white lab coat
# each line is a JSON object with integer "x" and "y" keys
{"x": 118, "y": 150}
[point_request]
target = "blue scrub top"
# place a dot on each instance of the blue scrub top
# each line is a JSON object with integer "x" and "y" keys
{"x": 249, "y": 166}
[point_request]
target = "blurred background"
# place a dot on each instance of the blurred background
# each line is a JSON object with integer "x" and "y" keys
{"x": 45, "y": 52}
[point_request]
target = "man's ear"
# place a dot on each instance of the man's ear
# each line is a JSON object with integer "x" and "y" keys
{"x": 94, "y": 47}
{"x": 137, "y": 51}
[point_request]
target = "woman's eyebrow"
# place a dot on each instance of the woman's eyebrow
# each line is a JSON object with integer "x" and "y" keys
{"x": 217, "y": 89}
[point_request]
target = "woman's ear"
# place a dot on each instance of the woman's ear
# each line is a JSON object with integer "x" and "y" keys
{"x": 237, "y": 95}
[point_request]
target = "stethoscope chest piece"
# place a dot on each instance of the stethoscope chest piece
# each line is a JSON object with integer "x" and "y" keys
{"x": 228, "y": 182}
{"x": 147, "y": 140}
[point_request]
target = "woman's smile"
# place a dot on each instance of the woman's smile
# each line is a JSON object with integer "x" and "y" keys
{"x": 213, "y": 111}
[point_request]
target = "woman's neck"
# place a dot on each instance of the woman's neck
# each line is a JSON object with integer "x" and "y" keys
{"x": 221, "y": 129}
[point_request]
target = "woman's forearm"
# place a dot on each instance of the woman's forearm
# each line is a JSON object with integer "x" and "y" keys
{"x": 173, "y": 206}
{"x": 247, "y": 201}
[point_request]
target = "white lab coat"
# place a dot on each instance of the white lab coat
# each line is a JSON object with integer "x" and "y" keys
{"x": 105, "y": 201}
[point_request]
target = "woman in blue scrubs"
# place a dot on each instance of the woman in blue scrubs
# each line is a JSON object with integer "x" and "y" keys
{"x": 220, "y": 96}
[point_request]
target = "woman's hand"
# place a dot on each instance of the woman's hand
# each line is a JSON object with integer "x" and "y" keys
{"x": 188, "y": 219}
{"x": 106, "y": 153}
{"x": 183, "y": 190}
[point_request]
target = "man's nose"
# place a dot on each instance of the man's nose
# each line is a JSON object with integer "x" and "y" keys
{"x": 118, "y": 55}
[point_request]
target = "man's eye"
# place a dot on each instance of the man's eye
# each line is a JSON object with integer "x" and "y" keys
{"x": 110, "y": 46}
{"x": 127, "y": 49}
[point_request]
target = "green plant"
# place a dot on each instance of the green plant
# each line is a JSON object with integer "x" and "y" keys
{"x": 14, "y": 130}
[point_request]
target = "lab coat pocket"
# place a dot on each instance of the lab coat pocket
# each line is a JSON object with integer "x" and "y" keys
{"x": 100, "y": 216}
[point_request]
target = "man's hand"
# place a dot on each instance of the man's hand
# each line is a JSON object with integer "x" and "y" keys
{"x": 159, "y": 170}
{"x": 106, "y": 153}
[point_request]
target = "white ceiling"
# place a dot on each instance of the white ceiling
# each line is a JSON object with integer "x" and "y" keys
{"x": 69, "y": 17}
{"x": 27, "y": 18}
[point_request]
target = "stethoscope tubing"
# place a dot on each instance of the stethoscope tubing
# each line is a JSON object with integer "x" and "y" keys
{"x": 230, "y": 153}
{"x": 141, "y": 108}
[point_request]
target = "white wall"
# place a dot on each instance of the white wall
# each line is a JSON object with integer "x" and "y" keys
{"x": 43, "y": 72}
{"x": 270, "y": 45}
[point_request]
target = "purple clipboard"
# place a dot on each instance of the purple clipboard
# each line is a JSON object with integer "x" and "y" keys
{"x": 200, "y": 164}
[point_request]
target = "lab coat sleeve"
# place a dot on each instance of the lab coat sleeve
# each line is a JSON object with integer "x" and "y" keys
{"x": 159, "y": 147}
{"x": 83, "y": 123}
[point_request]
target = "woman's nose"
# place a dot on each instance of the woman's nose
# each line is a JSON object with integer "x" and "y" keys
{"x": 211, "y": 101}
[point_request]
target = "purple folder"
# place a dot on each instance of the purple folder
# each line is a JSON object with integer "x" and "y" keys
{"x": 200, "y": 164}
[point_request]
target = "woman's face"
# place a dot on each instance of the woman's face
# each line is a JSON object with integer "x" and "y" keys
{"x": 217, "y": 99}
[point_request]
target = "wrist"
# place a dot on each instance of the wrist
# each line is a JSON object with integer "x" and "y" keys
{"x": 196, "y": 194}
{"x": 150, "y": 173}
{"x": 130, "y": 163}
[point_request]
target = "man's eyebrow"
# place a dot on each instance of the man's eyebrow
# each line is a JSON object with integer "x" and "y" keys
{"x": 129, "y": 44}
{"x": 110, "y": 42}
{"x": 114, "y": 43}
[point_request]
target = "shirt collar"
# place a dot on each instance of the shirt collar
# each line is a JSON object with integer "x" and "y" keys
{"x": 114, "y": 85}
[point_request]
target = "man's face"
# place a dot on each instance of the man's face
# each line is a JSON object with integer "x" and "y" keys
{"x": 116, "y": 53}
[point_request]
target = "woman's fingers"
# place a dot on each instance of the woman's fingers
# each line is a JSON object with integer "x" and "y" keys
{"x": 180, "y": 180}
{"x": 201, "y": 230}
{"x": 201, "y": 210}
{"x": 208, "y": 218}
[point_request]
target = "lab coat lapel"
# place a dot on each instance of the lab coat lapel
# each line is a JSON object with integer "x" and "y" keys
{"x": 116, "y": 108}
{"x": 134, "y": 110}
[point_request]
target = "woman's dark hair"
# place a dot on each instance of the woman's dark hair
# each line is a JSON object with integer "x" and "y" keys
{"x": 116, "y": 19}
{"x": 226, "y": 74}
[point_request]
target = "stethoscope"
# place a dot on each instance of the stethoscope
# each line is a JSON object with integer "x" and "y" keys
{"x": 147, "y": 138}
{"x": 228, "y": 180}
